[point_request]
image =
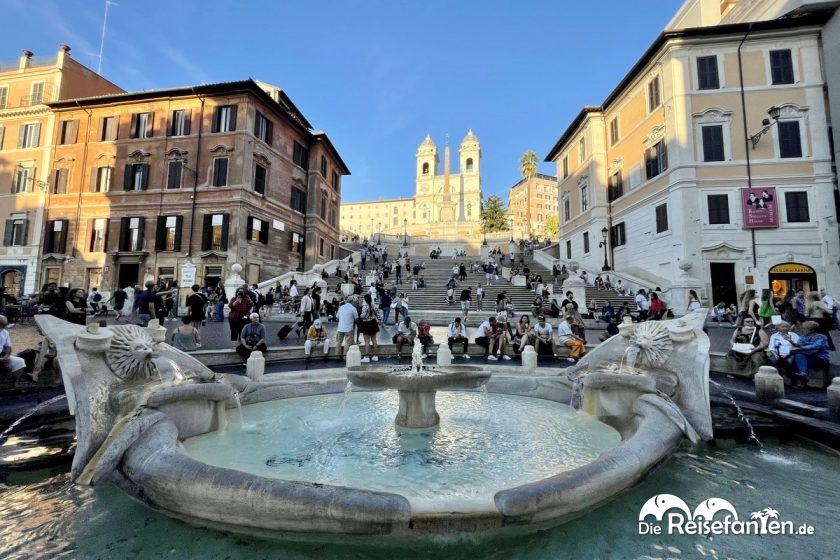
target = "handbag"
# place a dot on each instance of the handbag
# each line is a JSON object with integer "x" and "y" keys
{"x": 745, "y": 347}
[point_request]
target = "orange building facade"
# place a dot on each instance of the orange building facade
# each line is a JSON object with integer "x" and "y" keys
{"x": 530, "y": 203}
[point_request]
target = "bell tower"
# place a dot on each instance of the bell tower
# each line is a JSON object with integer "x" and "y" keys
{"x": 427, "y": 164}
{"x": 469, "y": 195}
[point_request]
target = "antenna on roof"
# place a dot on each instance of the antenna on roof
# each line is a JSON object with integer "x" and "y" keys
{"x": 108, "y": 3}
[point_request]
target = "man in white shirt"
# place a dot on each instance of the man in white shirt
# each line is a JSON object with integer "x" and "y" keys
{"x": 457, "y": 333}
{"x": 455, "y": 270}
{"x": 566, "y": 337}
{"x": 642, "y": 305}
{"x": 406, "y": 332}
{"x": 490, "y": 336}
{"x": 347, "y": 316}
{"x": 8, "y": 364}
{"x": 543, "y": 337}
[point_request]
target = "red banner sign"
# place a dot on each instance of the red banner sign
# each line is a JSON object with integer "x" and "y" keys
{"x": 760, "y": 208}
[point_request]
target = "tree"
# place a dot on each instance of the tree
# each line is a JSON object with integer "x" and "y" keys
{"x": 552, "y": 227}
{"x": 493, "y": 214}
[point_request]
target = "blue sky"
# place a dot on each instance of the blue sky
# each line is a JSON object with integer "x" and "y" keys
{"x": 376, "y": 75}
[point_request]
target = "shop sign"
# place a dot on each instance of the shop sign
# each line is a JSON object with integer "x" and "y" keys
{"x": 760, "y": 208}
{"x": 791, "y": 268}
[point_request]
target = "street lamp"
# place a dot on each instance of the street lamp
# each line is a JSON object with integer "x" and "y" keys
{"x": 603, "y": 244}
{"x": 405, "y": 232}
{"x": 484, "y": 232}
{"x": 774, "y": 113}
{"x": 380, "y": 234}
{"x": 371, "y": 230}
{"x": 510, "y": 227}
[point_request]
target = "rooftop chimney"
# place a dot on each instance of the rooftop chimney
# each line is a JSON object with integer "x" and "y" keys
{"x": 65, "y": 47}
{"x": 63, "y": 52}
{"x": 25, "y": 59}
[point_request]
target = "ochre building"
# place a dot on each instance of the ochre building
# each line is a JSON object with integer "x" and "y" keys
{"x": 530, "y": 202}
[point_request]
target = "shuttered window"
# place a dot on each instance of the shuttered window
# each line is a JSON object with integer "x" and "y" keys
{"x": 173, "y": 178}
{"x": 656, "y": 159}
{"x": 16, "y": 232}
{"x": 653, "y": 94}
{"x": 661, "y": 218}
{"x": 298, "y": 202}
{"x": 220, "y": 172}
{"x": 790, "y": 143}
{"x": 617, "y": 238}
{"x": 60, "y": 181}
{"x": 260, "y": 174}
{"x": 102, "y": 181}
{"x": 707, "y": 72}
{"x": 257, "y": 230}
{"x": 180, "y": 125}
{"x": 569, "y": 249}
{"x": 132, "y": 233}
{"x": 108, "y": 129}
{"x": 168, "y": 233}
{"x": 615, "y": 188}
{"x": 796, "y": 204}
{"x": 29, "y": 135}
{"x": 224, "y": 119}
{"x": 142, "y": 125}
{"x": 781, "y": 67}
{"x": 215, "y": 230}
{"x": 718, "y": 208}
{"x": 300, "y": 156}
{"x": 713, "y": 143}
{"x": 263, "y": 128}
{"x": 136, "y": 177}
{"x": 99, "y": 235}
{"x": 56, "y": 236}
{"x": 69, "y": 132}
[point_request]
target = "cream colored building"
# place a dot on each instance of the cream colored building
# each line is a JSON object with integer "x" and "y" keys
{"x": 530, "y": 203}
{"x": 445, "y": 206}
{"x": 663, "y": 162}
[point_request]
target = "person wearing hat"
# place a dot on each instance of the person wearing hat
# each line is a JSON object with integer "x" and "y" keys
{"x": 543, "y": 336}
{"x": 252, "y": 337}
{"x": 316, "y": 335}
{"x": 456, "y": 333}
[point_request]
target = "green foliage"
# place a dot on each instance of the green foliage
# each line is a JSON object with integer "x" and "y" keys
{"x": 528, "y": 164}
{"x": 494, "y": 215}
{"x": 552, "y": 226}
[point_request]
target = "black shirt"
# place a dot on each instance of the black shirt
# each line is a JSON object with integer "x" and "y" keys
{"x": 466, "y": 294}
{"x": 196, "y": 303}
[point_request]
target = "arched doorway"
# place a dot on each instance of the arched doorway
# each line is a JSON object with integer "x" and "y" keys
{"x": 11, "y": 281}
{"x": 788, "y": 277}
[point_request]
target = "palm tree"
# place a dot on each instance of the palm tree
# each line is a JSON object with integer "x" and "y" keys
{"x": 528, "y": 168}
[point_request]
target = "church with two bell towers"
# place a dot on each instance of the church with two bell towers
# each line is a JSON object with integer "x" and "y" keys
{"x": 445, "y": 206}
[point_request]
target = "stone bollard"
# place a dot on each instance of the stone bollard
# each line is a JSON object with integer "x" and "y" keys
{"x": 444, "y": 355}
{"x": 354, "y": 356}
{"x": 529, "y": 359}
{"x": 157, "y": 332}
{"x": 255, "y": 366}
{"x": 834, "y": 400}
{"x": 769, "y": 385}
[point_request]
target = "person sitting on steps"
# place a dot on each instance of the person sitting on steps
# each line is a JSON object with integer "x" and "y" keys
{"x": 406, "y": 333}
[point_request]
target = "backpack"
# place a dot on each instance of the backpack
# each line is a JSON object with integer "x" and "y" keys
{"x": 97, "y": 297}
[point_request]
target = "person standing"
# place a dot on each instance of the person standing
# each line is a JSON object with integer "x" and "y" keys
{"x": 93, "y": 299}
{"x": 385, "y": 306}
{"x": 817, "y": 311}
{"x": 466, "y": 296}
{"x": 307, "y": 306}
{"x": 196, "y": 306}
{"x": 369, "y": 327}
{"x": 347, "y": 316}
{"x": 118, "y": 297}
{"x": 144, "y": 304}
{"x": 450, "y": 291}
{"x": 456, "y": 333}
{"x": 479, "y": 296}
{"x": 238, "y": 315}
{"x": 252, "y": 336}
{"x": 462, "y": 272}
{"x": 77, "y": 307}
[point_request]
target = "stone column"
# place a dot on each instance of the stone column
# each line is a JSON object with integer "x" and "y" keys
{"x": 444, "y": 355}
{"x": 834, "y": 400}
{"x": 234, "y": 281}
{"x": 354, "y": 356}
{"x": 529, "y": 359}
{"x": 255, "y": 367}
{"x": 769, "y": 385}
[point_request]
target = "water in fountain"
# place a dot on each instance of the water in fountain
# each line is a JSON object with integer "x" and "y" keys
{"x": 347, "y": 390}
{"x": 37, "y": 408}
{"x": 577, "y": 393}
{"x": 741, "y": 416}
{"x": 630, "y": 355}
{"x": 239, "y": 407}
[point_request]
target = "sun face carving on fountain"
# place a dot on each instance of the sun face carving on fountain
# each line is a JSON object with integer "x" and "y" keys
{"x": 653, "y": 341}
{"x": 130, "y": 354}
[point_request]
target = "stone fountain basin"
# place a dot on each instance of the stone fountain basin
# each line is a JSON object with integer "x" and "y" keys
{"x": 434, "y": 379}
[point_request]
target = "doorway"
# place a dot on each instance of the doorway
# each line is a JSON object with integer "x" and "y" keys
{"x": 792, "y": 277}
{"x": 723, "y": 283}
{"x": 129, "y": 274}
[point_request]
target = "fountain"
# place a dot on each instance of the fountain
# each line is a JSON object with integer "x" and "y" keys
{"x": 417, "y": 386}
{"x": 153, "y": 421}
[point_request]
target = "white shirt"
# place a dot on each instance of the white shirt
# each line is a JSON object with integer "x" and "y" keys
{"x": 293, "y": 291}
{"x": 642, "y": 304}
{"x": 544, "y": 332}
{"x": 564, "y": 332}
{"x": 694, "y": 305}
{"x": 454, "y": 330}
{"x": 781, "y": 346}
{"x": 306, "y": 304}
{"x": 485, "y": 329}
{"x": 347, "y": 316}
{"x": 407, "y": 330}
{"x": 455, "y": 269}
{"x": 828, "y": 301}
{"x": 5, "y": 341}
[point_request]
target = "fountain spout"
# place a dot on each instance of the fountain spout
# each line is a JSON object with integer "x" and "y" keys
{"x": 417, "y": 357}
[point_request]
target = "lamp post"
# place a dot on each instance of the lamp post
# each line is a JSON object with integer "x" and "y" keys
{"x": 371, "y": 230}
{"x": 405, "y": 232}
{"x": 510, "y": 227}
{"x": 774, "y": 113}
{"x": 484, "y": 232}
{"x": 380, "y": 234}
{"x": 603, "y": 243}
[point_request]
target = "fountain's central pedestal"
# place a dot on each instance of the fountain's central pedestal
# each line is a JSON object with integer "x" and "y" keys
{"x": 417, "y": 388}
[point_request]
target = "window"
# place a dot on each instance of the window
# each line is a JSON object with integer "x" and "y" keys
{"x": 131, "y": 233}
{"x": 332, "y": 251}
{"x": 718, "y": 208}
{"x": 298, "y": 200}
{"x": 713, "y": 143}
{"x": 296, "y": 243}
{"x": 103, "y": 179}
{"x": 796, "y": 204}
{"x": 108, "y": 130}
{"x": 98, "y": 235}
{"x": 36, "y": 94}
{"x": 215, "y": 232}
{"x": 257, "y": 230}
{"x": 569, "y": 249}
{"x": 2, "y": 134}
{"x": 661, "y": 218}
{"x": 263, "y": 128}
{"x": 584, "y": 197}
{"x": 707, "y": 72}
{"x": 615, "y": 187}
{"x": 324, "y": 167}
{"x": 69, "y": 132}
{"x": 617, "y": 238}
{"x": 469, "y": 165}
{"x": 567, "y": 209}
{"x": 582, "y": 150}
{"x": 425, "y": 169}
{"x": 136, "y": 177}
{"x": 141, "y": 125}
{"x": 790, "y": 143}
{"x": 220, "y": 169}
{"x": 585, "y": 242}
{"x": 224, "y": 119}
{"x": 656, "y": 159}
{"x": 336, "y": 181}
{"x": 781, "y": 67}
{"x": 321, "y": 246}
{"x": 565, "y": 166}
{"x": 56, "y": 241}
{"x": 653, "y": 94}
{"x": 4, "y": 96}
{"x": 15, "y": 233}
{"x": 60, "y": 181}
{"x": 300, "y": 156}
{"x": 614, "y": 131}
{"x": 176, "y": 172}
{"x": 168, "y": 233}
{"x": 180, "y": 125}
{"x": 260, "y": 174}
{"x": 28, "y": 135}
{"x": 23, "y": 179}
